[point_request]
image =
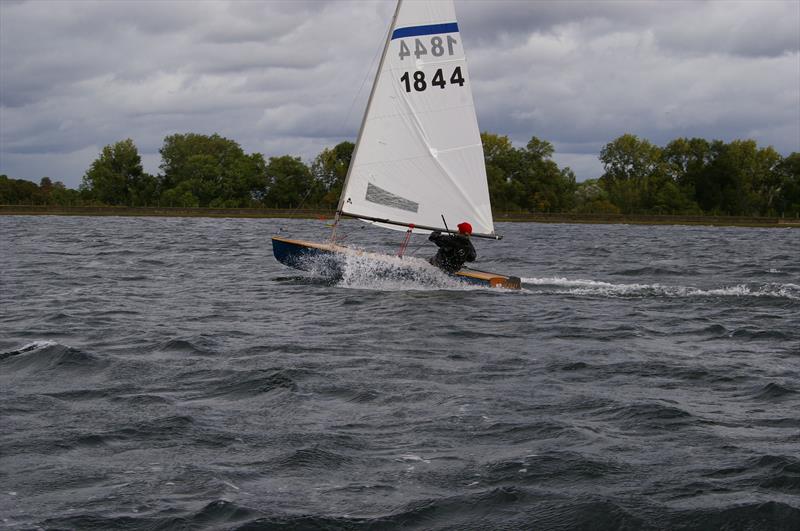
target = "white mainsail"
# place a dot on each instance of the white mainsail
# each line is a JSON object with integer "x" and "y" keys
{"x": 419, "y": 156}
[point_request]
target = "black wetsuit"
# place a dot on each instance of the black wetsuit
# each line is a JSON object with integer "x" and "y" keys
{"x": 454, "y": 250}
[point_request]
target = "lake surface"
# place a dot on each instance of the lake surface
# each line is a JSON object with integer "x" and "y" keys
{"x": 164, "y": 372}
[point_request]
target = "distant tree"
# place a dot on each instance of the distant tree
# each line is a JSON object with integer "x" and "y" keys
{"x": 61, "y": 195}
{"x": 496, "y": 149}
{"x": 788, "y": 172}
{"x": 686, "y": 161}
{"x": 766, "y": 181}
{"x": 629, "y": 158}
{"x": 19, "y": 191}
{"x": 180, "y": 196}
{"x": 55, "y": 193}
{"x": 592, "y": 198}
{"x": 329, "y": 168}
{"x": 669, "y": 198}
{"x": 116, "y": 176}
{"x": 635, "y": 173}
{"x": 502, "y": 163}
{"x": 548, "y": 188}
{"x": 691, "y": 176}
{"x": 211, "y": 170}
{"x": 46, "y": 186}
{"x": 290, "y": 183}
{"x": 539, "y": 149}
{"x": 740, "y": 179}
{"x": 146, "y": 192}
{"x": 526, "y": 178}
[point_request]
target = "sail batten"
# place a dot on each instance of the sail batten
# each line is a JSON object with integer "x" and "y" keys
{"x": 419, "y": 156}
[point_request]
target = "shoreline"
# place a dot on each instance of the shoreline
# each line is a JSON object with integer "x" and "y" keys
{"x": 519, "y": 217}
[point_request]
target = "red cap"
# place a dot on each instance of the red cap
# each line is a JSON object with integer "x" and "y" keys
{"x": 464, "y": 228}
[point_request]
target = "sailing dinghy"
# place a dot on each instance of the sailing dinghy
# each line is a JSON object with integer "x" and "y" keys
{"x": 418, "y": 161}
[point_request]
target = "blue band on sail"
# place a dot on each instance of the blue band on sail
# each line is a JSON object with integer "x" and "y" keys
{"x": 431, "y": 29}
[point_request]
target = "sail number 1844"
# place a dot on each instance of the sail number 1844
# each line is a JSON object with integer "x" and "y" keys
{"x": 436, "y": 47}
{"x": 418, "y": 82}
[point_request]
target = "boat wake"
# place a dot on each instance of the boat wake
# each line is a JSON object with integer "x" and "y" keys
{"x": 560, "y": 285}
{"x": 382, "y": 272}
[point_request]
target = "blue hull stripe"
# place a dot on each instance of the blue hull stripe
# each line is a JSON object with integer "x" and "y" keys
{"x": 431, "y": 29}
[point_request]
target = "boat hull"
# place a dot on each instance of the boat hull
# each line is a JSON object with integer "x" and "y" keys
{"x": 307, "y": 256}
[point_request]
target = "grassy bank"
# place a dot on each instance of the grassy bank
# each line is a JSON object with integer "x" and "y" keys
{"x": 648, "y": 219}
{"x": 722, "y": 221}
{"x": 174, "y": 212}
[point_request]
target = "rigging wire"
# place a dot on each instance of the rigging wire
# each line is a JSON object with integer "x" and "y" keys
{"x": 293, "y": 212}
{"x": 378, "y": 50}
{"x": 346, "y": 119}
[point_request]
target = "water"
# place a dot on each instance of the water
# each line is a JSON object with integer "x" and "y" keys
{"x": 162, "y": 373}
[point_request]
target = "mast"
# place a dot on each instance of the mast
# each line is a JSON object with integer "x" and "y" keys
{"x": 366, "y": 111}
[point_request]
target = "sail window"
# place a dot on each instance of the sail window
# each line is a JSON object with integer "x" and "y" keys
{"x": 378, "y": 195}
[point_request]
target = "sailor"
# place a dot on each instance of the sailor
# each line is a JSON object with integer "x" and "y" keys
{"x": 454, "y": 249}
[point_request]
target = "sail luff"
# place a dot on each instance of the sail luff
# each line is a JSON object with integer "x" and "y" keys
{"x": 369, "y": 104}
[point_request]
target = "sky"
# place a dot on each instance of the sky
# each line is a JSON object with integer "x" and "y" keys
{"x": 293, "y": 77}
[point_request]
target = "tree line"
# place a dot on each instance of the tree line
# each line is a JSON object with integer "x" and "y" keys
{"x": 688, "y": 176}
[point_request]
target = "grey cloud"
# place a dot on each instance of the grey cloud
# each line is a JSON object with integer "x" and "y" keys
{"x": 492, "y": 20}
{"x": 293, "y": 77}
{"x": 745, "y": 27}
{"x": 754, "y": 29}
{"x": 573, "y": 84}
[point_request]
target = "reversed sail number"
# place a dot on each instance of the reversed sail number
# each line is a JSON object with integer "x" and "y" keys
{"x": 419, "y": 83}
{"x": 437, "y": 47}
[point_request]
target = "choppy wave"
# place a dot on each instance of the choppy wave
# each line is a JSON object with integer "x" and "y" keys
{"x": 600, "y": 288}
{"x": 654, "y": 271}
{"x": 30, "y": 347}
{"x": 775, "y": 391}
{"x": 186, "y": 388}
{"x": 248, "y": 384}
{"x": 195, "y": 346}
{"x": 498, "y": 508}
{"x": 46, "y": 356}
{"x": 649, "y": 416}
